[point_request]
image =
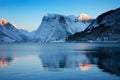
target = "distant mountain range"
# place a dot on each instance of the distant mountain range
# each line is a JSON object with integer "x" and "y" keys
{"x": 55, "y": 27}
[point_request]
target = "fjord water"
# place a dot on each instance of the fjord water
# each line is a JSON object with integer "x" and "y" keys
{"x": 60, "y": 61}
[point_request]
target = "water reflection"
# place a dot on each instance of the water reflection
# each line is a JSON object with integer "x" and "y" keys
{"x": 4, "y": 61}
{"x": 63, "y": 62}
{"x": 85, "y": 67}
{"x": 106, "y": 59}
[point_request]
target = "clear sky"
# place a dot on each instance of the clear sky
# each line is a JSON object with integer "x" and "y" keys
{"x": 27, "y": 14}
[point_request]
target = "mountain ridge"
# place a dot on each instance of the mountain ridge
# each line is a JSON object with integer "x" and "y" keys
{"x": 56, "y": 27}
{"x": 104, "y": 28}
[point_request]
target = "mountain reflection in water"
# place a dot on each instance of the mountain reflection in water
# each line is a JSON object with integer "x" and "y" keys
{"x": 4, "y": 61}
{"x": 60, "y": 62}
{"x": 107, "y": 59}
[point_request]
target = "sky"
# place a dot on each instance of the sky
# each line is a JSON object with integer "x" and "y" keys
{"x": 27, "y": 14}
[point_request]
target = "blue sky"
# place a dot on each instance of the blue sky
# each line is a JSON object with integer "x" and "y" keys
{"x": 27, "y": 14}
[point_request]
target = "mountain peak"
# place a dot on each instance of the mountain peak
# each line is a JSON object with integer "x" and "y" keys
{"x": 84, "y": 17}
{"x": 3, "y": 21}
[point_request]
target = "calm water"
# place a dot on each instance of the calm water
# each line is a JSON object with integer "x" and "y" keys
{"x": 60, "y": 61}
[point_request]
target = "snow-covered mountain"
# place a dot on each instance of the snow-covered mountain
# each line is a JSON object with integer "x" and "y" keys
{"x": 56, "y": 27}
{"x": 105, "y": 28}
{"x": 26, "y": 35}
{"x": 8, "y": 32}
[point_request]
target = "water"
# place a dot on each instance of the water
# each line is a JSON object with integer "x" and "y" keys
{"x": 60, "y": 61}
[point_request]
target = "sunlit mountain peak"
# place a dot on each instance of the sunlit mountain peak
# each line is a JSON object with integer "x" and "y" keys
{"x": 84, "y": 17}
{"x": 3, "y": 21}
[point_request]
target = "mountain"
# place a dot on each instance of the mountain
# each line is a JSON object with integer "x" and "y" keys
{"x": 55, "y": 27}
{"x": 8, "y": 32}
{"x": 105, "y": 27}
{"x": 84, "y": 17}
{"x": 26, "y": 35}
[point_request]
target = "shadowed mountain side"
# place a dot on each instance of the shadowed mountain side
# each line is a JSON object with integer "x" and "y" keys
{"x": 105, "y": 28}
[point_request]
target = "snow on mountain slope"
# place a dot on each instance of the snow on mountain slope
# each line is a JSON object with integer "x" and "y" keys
{"x": 26, "y": 35}
{"x": 8, "y": 33}
{"x": 56, "y": 27}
